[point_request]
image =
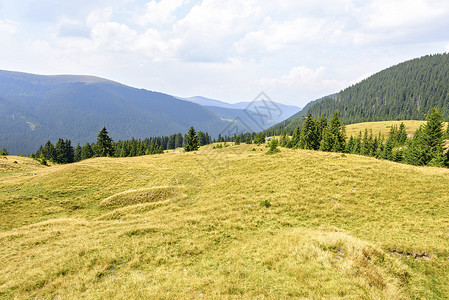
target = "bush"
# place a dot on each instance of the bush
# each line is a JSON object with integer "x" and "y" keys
{"x": 273, "y": 147}
{"x": 265, "y": 203}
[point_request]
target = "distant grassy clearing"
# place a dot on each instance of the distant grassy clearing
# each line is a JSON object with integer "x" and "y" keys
{"x": 350, "y": 227}
{"x": 383, "y": 127}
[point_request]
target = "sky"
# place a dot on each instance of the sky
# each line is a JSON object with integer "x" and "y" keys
{"x": 293, "y": 50}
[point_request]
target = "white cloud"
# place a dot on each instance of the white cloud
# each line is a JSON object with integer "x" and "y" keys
{"x": 7, "y": 28}
{"x": 392, "y": 14}
{"x": 160, "y": 12}
{"x": 300, "y": 76}
{"x": 113, "y": 36}
{"x": 221, "y": 48}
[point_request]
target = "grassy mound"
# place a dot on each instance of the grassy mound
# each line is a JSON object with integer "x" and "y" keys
{"x": 132, "y": 197}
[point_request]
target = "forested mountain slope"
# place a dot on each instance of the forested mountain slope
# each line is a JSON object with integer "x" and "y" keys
{"x": 406, "y": 91}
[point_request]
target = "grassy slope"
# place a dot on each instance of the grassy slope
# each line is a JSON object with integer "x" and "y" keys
{"x": 338, "y": 227}
{"x": 383, "y": 127}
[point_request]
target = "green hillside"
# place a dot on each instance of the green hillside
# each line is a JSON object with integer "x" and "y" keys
{"x": 407, "y": 91}
{"x": 192, "y": 225}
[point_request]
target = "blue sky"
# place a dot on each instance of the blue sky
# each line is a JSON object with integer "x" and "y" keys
{"x": 295, "y": 51}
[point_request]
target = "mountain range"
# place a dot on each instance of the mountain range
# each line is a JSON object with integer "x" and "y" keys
{"x": 37, "y": 108}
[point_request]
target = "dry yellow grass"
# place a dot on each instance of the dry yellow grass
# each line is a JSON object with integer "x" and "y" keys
{"x": 338, "y": 227}
{"x": 383, "y": 127}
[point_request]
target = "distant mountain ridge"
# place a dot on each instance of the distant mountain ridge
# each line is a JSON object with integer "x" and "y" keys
{"x": 406, "y": 91}
{"x": 274, "y": 112}
{"x": 35, "y": 108}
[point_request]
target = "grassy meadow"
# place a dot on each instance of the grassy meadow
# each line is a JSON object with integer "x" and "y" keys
{"x": 383, "y": 127}
{"x": 191, "y": 225}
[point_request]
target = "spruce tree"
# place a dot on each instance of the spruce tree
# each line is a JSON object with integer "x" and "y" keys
{"x": 328, "y": 141}
{"x": 171, "y": 142}
{"x": 237, "y": 140}
{"x": 334, "y": 138}
{"x": 248, "y": 139}
{"x": 416, "y": 153}
{"x": 60, "y": 152}
{"x": 77, "y": 153}
{"x": 259, "y": 139}
{"x": 3, "y": 151}
{"x": 202, "y": 138}
{"x": 309, "y": 137}
{"x": 322, "y": 124}
{"x": 49, "y": 152}
{"x": 364, "y": 147}
{"x": 387, "y": 152}
{"x": 283, "y": 140}
{"x": 296, "y": 137}
{"x": 433, "y": 137}
{"x": 350, "y": 145}
{"x": 178, "y": 140}
{"x": 191, "y": 141}
{"x": 69, "y": 152}
{"x": 402, "y": 135}
{"x": 104, "y": 144}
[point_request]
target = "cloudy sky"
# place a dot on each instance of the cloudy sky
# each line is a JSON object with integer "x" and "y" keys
{"x": 294, "y": 50}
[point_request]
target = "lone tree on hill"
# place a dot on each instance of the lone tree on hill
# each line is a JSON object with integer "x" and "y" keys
{"x": 191, "y": 141}
{"x": 104, "y": 144}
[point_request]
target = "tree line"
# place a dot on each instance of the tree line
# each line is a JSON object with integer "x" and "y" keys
{"x": 425, "y": 148}
{"x": 63, "y": 152}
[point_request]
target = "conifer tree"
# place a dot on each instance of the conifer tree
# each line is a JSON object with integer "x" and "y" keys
{"x": 237, "y": 140}
{"x": 402, "y": 135}
{"x": 191, "y": 142}
{"x": 49, "y": 151}
{"x": 178, "y": 140}
{"x": 328, "y": 141}
{"x": 104, "y": 144}
{"x": 248, "y": 139}
{"x": 364, "y": 147}
{"x": 77, "y": 153}
{"x": 296, "y": 137}
{"x": 283, "y": 140}
{"x": 350, "y": 145}
{"x": 69, "y": 152}
{"x": 387, "y": 152}
{"x": 322, "y": 124}
{"x": 433, "y": 137}
{"x": 171, "y": 142}
{"x": 202, "y": 138}
{"x": 259, "y": 139}
{"x": 3, "y": 151}
{"x": 334, "y": 138}
{"x": 309, "y": 136}
{"x": 60, "y": 152}
{"x": 416, "y": 153}
{"x": 357, "y": 144}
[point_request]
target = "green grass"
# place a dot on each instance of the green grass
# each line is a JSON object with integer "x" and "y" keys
{"x": 191, "y": 225}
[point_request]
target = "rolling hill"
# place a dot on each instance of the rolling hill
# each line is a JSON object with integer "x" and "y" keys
{"x": 35, "y": 108}
{"x": 191, "y": 225}
{"x": 406, "y": 91}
